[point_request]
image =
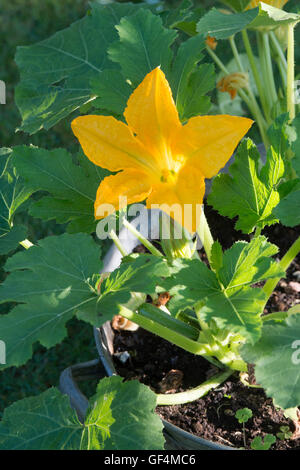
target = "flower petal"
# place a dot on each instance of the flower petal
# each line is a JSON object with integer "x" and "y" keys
{"x": 183, "y": 200}
{"x": 117, "y": 191}
{"x": 151, "y": 113}
{"x": 110, "y": 144}
{"x": 209, "y": 141}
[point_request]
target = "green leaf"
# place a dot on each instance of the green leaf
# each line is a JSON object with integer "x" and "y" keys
{"x": 137, "y": 54}
{"x": 122, "y": 418}
{"x": 139, "y": 275}
{"x": 194, "y": 101}
{"x": 249, "y": 193}
{"x": 112, "y": 91}
{"x": 56, "y": 73}
{"x": 243, "y": 415}
{"x": 277, "y": 357}
{"x": 216, "y": 256}
{"x": 288, "y": 210}
{"x": 44, "y": 422}
{"x": 144, "y": 45}
{"x": 221, "y": 25}
{"x": 190, "y": 81}
{"x": 175, "y": 16}
{"x": 13, "y": 193}
{"x": 225, "y": 295}
{"x": 72, "y": 187}
{"x": 296, "y": 145}
{"x": 247, "y": 263}
{"x": 237, "y": 5}
{"x": 188, "y": 55}
{"x": 263, "y": 444}
{"x": 53, "y": 282}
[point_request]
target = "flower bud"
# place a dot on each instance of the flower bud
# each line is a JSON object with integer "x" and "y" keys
{"x": 211, "y": 42}
{"x": 233, "y": 82}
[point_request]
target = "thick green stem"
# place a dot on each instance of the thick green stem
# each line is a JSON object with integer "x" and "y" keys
{"x": 194, "y": 393}
{"x": 264, "y": 74}
{"x": 284, "y": 264}
{"x": 142, "y": 239}
{"x": 205, "y": 235}
{"x": 282, "y": 72}
{"x": 256, "y": 75}
{"x": 291, "y": 72}
{"x": 257, "y": 232}
{"x": 164, "y": 319}
{"x": 278, "y": 49}
{"x": 280, "y": 59}
{"x": 269, "y": 67}
{"x": 163, "y": 331}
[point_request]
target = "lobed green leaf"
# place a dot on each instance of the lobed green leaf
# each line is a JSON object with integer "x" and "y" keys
{"x": 226, "y": 295}
{"x": 120, "y": 417}
{"x": 222, "y": 25}
{"x": 72, "y": 187}
{"x": 13, "y": 193}
{"x": 56, "y": 73}
{"x": 247, "y": 192}
{"x": 51, "y": 282}
{"x": 277, "y": 357}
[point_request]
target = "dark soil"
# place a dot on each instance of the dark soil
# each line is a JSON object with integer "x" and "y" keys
{"x": 167, "y": 368}
{"x": 154, "y": 361}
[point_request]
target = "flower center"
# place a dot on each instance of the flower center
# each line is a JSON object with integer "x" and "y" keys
{"x": 167, "y": 176}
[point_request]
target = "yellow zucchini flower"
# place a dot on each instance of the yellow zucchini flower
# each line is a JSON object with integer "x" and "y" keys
{"x": 157, "y": 157}
{"x": 274, "y": 3}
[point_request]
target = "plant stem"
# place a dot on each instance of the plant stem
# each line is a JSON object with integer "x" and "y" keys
{"x": 236, "y": 54}
{"x": 268, "y": 97}
{"x": 291, "y": 72}
{"x": 142, "y": 239}
{"x": 284, "y": 264}
{"x": 162, "y": 318}
{"x": 244, "y": 436}
{"x": 117, "y": 242}
{"x": 278, "y": 49}
{"x": 257, "y": 232}
{"x": 269, "y": 67}
{"x": 205, "y": 235}
{"x": 256, "y": 75}
{"x": 164, "y": 332}
{"x": 194, "y": 393}
{"x": 252, "y": 104}
{"x": 280, "y": 59}
{"x": 217, "y": 61}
